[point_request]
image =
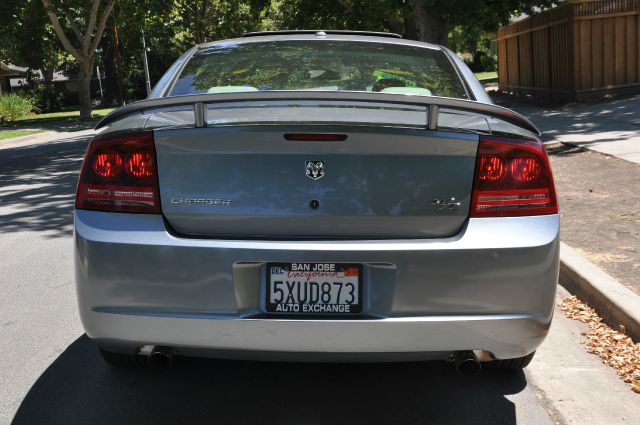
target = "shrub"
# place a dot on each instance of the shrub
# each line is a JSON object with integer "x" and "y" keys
{"x": 14, "y": 107}
{"x": 488, "y": 63}
{"x": 47, "y": 100}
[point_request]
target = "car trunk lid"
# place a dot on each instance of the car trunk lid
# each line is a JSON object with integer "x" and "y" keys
{"x": 250, "y": 181}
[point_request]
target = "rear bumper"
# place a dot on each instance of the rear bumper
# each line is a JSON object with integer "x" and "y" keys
{"x": 491, "y": 287}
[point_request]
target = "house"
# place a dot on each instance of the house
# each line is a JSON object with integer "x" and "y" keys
{"x": 6, "y": 72}
{"x": 60, "y": 81}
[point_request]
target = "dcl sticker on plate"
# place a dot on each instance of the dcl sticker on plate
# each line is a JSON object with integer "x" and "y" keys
{"x": 314, "y": 288}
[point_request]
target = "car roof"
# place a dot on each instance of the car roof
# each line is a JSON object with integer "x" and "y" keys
{"x": 322, "y": 32}
{"x": 309, "y": 35}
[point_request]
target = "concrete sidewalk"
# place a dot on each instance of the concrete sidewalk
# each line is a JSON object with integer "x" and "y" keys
{"x": 612, "y": 128}
{"x": 574, "y": 385}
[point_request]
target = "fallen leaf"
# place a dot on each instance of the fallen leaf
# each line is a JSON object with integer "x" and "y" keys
{"x": 614, "y": 348}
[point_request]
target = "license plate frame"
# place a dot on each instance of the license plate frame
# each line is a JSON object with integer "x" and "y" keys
{"x": 304, "y": 277}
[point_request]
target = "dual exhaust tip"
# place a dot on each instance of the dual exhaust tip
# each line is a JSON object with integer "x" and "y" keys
{"x": 157, "y": 357}
{"x": 466, "y": 362}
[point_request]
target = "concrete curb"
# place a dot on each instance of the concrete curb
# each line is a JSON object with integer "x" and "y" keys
{"x": 615, "y": 303}
{"x": 553, "y": 144}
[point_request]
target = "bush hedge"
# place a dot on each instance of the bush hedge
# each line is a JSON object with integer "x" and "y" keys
{"x": 14, "y": 107}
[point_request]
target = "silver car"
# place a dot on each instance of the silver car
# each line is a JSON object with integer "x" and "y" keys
{"x": 317, "y": 196}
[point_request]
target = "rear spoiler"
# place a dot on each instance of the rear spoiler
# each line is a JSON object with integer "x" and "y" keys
{"x": 198, "y": 102}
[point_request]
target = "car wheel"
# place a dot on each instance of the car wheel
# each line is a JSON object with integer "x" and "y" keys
{"x": 510, "y": 364}
{"x": 123, "y": 360}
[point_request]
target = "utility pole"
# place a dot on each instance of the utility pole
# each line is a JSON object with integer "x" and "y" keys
{"x": 146, "y": 66}
{"x": 99, "y": 81}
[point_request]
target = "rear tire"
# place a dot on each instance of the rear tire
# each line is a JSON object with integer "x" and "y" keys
{"x": 122, "y": 359}
{"x": 518, "y": 363}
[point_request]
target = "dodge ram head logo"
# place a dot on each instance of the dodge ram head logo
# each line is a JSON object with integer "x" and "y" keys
{"x": 315, "y": 169}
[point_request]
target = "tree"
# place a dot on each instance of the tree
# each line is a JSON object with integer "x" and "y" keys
{"x": 208, "y": 20}
{"x": 167, "y": 35}
{"x": 86, "y": 43}
{"x": 435, "y": 18}
{"x": 371, "y": 15}
{"x": 29, "y": 41}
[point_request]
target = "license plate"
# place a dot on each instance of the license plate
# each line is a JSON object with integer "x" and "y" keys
{"x": 314, "y": 288}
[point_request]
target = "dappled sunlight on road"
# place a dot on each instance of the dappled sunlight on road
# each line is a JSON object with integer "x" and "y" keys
{"x": 37, "y": 186}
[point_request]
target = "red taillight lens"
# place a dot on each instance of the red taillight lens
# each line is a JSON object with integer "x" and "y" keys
{"x": 492, "y": 168}
{"x": 107, "y": 164}
{"x": 141, "y": 164}
{"x": 513, "y": 178}
{"x": 525, "y": 169}
{"x": 119, "y": 174}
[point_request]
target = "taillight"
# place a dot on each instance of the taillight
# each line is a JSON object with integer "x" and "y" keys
{"x": 120, "y": 174}
{"x": 513, "y": 178}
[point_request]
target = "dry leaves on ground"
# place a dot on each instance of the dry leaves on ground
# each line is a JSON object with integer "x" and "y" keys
{"x": 614, "y": 347}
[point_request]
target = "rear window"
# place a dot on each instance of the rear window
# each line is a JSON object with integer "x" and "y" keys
{"x": 319, "y": 65}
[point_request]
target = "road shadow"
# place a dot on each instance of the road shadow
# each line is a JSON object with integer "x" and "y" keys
{"x": 37, "y": 186}
{"x": 80, "y": 388}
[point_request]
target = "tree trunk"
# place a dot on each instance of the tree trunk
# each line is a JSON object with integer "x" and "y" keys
{"x": 110, "y": 75}
{"x": 410, "y": 26}
{"x": 49, "y": 90}
{"x": 432, "y": 29}
{"x": 84, "y": 88}
{"x": 200, "y": 21}
{"x": 116, "y": 50}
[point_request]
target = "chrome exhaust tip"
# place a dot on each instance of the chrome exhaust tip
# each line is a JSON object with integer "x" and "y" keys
{"x": 157, "y": 357}
{"x": 467, "y": 363}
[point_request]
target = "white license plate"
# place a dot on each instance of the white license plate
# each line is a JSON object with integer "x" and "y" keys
{"x": 314, "y": 288}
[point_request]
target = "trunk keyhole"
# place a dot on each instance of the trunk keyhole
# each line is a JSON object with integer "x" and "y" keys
{"x": 314, "y": 204}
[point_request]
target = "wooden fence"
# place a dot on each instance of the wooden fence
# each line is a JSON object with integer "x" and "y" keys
{"x": 583, "y": 49}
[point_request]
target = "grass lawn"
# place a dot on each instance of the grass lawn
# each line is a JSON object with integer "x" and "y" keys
{"x": 10, "y": 134}
{"x": 62, "y": 116}
{"x": 70, "y": 114}
{"x": 486, "y": 76}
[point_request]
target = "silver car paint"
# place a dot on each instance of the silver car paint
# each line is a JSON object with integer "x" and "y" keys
{"x": 378, "y": 183}
{"x": 489, "y": 285}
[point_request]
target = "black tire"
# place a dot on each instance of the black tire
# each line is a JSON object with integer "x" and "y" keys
{"x": 518, "y": 363}
{"x": 122, "y": 359}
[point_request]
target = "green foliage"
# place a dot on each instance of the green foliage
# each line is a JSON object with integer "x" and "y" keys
{"x": 476, "y": 47}
{"x": 488, "y": 63}
{"x": 14, "y": 107}
{"x": 482, "y": 15}
{"x": 369, "y": 15}
{"x": 173, "y": 26}
{"x": 29, "y": 41}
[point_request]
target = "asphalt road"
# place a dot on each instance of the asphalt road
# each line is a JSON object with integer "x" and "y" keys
{"x": 51, "y": 373}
